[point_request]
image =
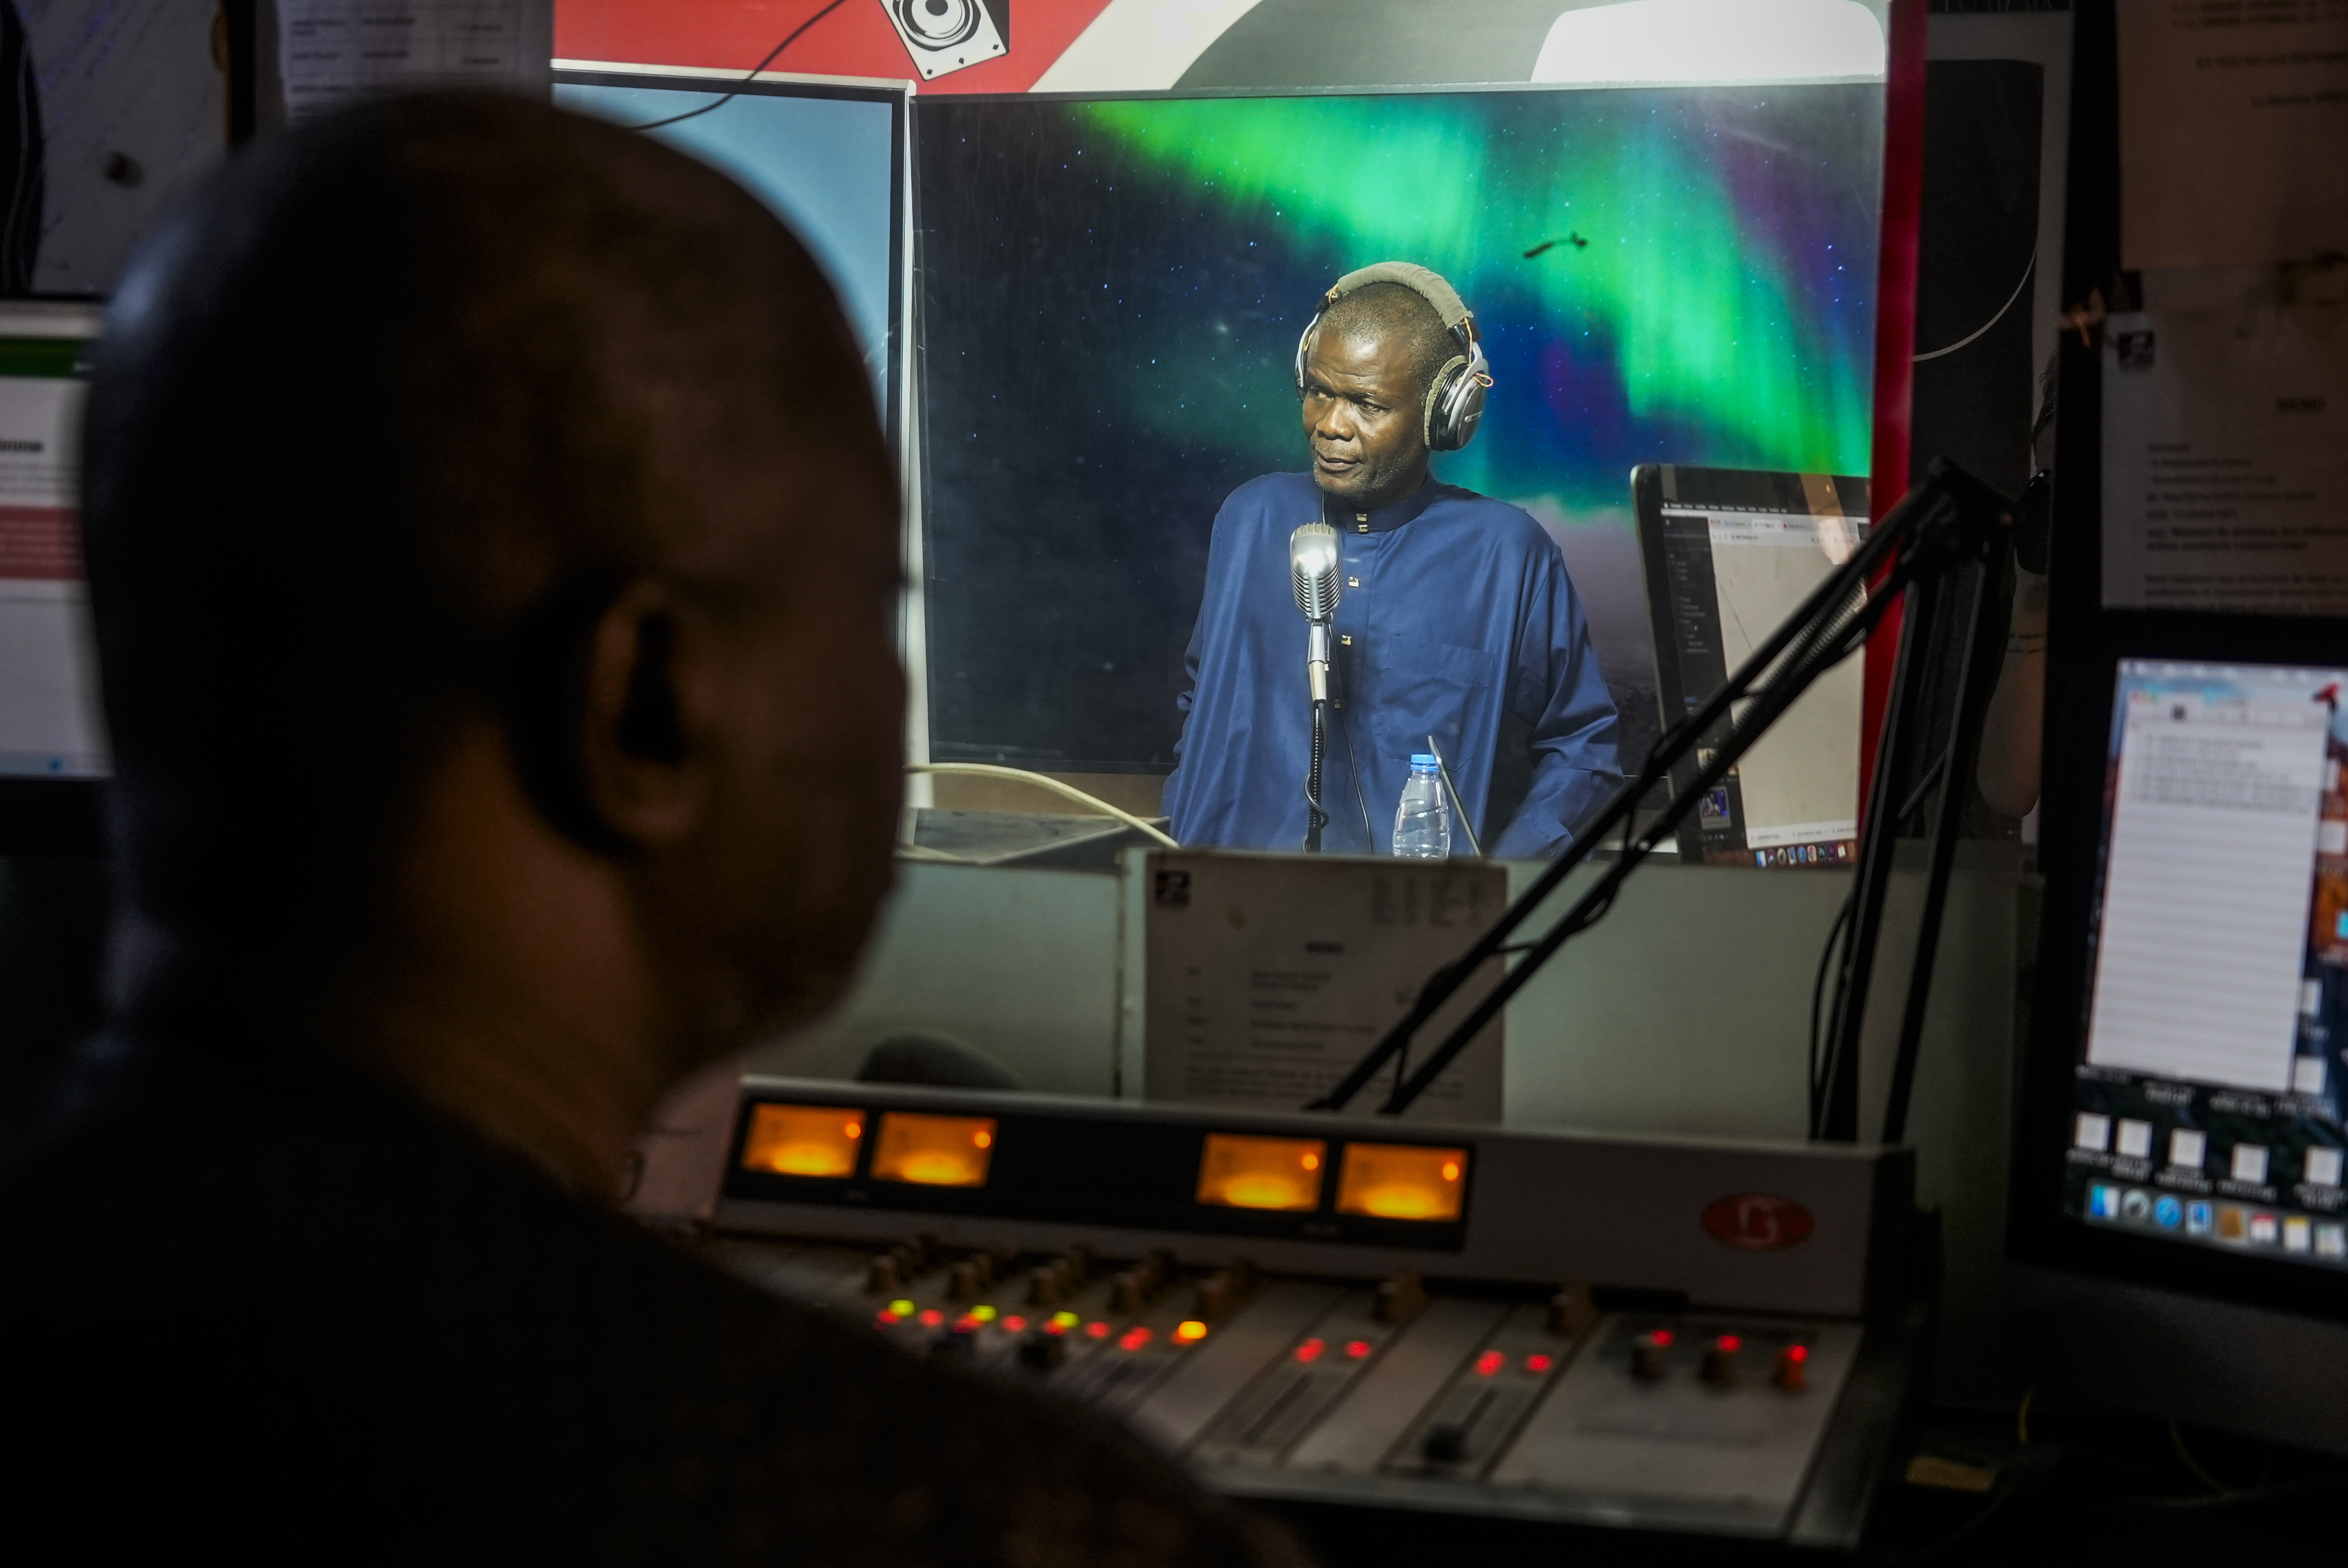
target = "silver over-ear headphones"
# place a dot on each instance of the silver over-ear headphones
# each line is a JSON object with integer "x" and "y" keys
{"x": 1454, "y": 399}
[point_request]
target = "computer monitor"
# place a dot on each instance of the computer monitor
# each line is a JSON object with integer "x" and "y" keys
{"x": 2180, "y": 1201}
{"x": 52, "y": 734}
{"x": 828, "y": 157}
{"x": 1730, "y": 554}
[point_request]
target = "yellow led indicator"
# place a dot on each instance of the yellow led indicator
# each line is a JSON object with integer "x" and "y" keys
{"x": 1065, "y": 1320}
{"x": 933, "y": 1151}
{"x": 802, "y": 1139}
{"x": 983, "y": 1314}
{"x": 902, "y": 1307}
{"x": 1189, "y": 1331}
{"x": 1402, "y": 1181}
{"x": 1243, "y": 1172}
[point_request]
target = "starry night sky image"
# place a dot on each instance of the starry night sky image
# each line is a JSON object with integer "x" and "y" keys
{"x": 1111, "y": 293}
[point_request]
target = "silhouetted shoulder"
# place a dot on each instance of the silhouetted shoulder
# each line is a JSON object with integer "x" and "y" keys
{"x": 324, "y": 1302}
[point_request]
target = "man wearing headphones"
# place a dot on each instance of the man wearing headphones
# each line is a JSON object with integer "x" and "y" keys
{"x": 1456, "y": 618}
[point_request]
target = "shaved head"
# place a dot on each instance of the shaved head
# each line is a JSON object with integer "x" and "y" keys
{"x": 1395, "y": 316}
{"x": 384, "y": 422}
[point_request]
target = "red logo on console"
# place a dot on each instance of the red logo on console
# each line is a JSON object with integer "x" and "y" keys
{"x": 1756, "y": 1222}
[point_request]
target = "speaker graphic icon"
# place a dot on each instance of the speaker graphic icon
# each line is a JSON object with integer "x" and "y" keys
{"x": 944, "y": 36}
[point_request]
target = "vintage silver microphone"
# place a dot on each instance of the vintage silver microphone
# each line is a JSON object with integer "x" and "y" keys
{"x": 1312, "y": 561}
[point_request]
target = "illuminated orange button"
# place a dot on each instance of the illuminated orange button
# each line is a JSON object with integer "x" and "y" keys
{"x": 1189, "y": 1331}
{"x": 802, "y": 1139}
{"x": 1402, "y": 1181}
{"x": 933, "y": 1151}
{"x": 1244, "y": 1172}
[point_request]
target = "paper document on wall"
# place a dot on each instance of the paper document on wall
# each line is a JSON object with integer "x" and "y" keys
{"x": 2226, "y": 442}
{"x": 1270, "y": 976}
{"x": 332, "y": 53}
{"x": 2232, "y": 121}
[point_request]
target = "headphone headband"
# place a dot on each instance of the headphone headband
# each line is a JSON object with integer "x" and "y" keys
{"x": 1454, "y": 399}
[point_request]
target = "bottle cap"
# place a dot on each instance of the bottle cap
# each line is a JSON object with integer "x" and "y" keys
{"x": 1422, "y": 759}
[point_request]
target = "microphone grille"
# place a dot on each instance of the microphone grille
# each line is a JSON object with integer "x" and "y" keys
{"x": 1313, "y": 560}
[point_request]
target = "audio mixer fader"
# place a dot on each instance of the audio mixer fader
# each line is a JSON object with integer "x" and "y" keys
{"x": 1361, "y": 1312}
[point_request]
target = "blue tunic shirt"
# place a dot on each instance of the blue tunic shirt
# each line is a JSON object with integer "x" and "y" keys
{"x": 1458, "y": 620}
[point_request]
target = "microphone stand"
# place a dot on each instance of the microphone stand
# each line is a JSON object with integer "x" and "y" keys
{"x": 1950, "y": 521}
{"x": 1318, "y": 819}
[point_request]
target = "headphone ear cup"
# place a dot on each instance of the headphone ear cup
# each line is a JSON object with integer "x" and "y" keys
{"x": 1436, "y": 423}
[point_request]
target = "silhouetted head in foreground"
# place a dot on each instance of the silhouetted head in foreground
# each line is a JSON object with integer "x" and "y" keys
{"x": 494, "y": 563}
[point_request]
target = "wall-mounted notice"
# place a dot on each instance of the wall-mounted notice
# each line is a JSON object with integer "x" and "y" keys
{"x": 331, "y": 53}
{"x": 2233, "y": 115}
{"x": 1269, "y": 976}
{"x": 2226, "y": 442}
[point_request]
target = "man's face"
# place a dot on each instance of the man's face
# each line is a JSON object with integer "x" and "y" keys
{"x": 1361, "y": 417}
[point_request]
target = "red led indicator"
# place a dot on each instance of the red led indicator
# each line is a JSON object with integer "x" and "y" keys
{"x": 967, "y": 1322}
{"x": 887, "y": 1317}
{"x": 933, "y": 1317}
{"x": 1538, "y": 1363}
{"x": 1729, "y": 1343}
{"x": 1660, "y": 1336}
{"x": 1134, "y": 1339}
{"x": 1489, "y": 1363}
{"x": 1357, "y": 1348}
{"x": 1016, "y": 1324}
{"x": 1098, "y": 1329}
{"x": 1311, "y": 1350}
{"x": 1797, "y": 1354}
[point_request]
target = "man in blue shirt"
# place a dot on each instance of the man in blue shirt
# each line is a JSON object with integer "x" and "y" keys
{"x": 1456, "y": 619}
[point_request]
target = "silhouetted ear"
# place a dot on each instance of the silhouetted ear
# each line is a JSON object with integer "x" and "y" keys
{"x": 642, "y": 731}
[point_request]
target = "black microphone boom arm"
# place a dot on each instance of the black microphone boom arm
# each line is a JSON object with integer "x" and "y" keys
{"x": 1947, "y": 521}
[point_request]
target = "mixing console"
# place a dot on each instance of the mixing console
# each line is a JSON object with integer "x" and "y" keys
{"x": 1302, "y": 1357}
{"x": 1381, "y": 1393}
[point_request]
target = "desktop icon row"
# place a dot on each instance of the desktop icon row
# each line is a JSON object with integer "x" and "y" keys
{"x": 2230, "y": 1222}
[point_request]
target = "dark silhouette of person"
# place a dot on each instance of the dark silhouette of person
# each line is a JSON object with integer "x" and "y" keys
{"x": 493, "y": 558}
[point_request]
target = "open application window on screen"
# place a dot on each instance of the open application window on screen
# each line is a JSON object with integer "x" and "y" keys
{"x": 1732, "y": 554}
{"x": 50, "y": 724}
{"x": 2208, "y": 1093}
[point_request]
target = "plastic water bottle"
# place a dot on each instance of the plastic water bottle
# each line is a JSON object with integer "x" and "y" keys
{"x": 1423, "y": 820}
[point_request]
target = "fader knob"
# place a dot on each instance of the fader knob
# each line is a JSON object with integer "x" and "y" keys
{"x": 967, "y": 1281}
{"x": 1445, "y": 1442}
{"x": 880, "y": 1275}
{"x": 1720, "y": 1361}
{"x": 1651, "y": 1355}
{"x": 1215, "y": 1294}
{"x": 1128, "y": 1292}
{"x": 1049, "y": 1287}
{"x": 1792, "y": 1371}
{"x": 1401, "y": 1297}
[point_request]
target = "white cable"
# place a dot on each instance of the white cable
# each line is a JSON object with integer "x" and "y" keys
{"x": 1961, "y": 343}
{"x": 1043, "y": 780}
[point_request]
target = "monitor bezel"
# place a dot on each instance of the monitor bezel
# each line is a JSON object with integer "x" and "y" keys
{"x": 2082, "y": 675}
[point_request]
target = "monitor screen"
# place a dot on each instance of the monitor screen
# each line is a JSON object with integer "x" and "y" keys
{"x": 1113, "y": 291}
{"x": 50, "y": 726}
{"x": 827, "y": 157}
{"x": 2206, "y": 1102}
{"x": 1731, "y": 554}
